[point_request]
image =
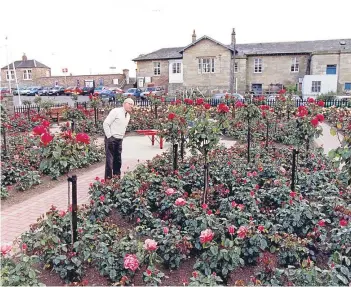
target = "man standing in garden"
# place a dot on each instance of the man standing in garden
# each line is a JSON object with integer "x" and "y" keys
{"x": 115, "y": 126}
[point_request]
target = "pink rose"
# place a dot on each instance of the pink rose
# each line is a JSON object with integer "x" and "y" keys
{"x": 242, "y": 232}
{"x": 180, "y": 202}
{"x": 150, "y": 245}
{"x": 231, "y": 229}
{"x": 170, "y": 191}
{"x": 206, "y": 236}
{"x": 165, "y": 230}
{"x": 131, "y": 262}
{"x": 6, "y": 248}
{"x": 61, "y": 213}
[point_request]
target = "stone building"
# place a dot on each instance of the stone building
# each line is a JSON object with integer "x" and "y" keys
{"x": 27, "y": 72}
{"x": 208, "y": 65}
{"x": 33, "y": 73}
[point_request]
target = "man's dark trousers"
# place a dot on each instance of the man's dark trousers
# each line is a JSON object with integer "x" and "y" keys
{"x": 113, "y": 148}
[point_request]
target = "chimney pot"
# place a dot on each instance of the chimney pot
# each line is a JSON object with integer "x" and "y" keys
{"x": 193, "y": 36}
{"x": 24, "y": 57}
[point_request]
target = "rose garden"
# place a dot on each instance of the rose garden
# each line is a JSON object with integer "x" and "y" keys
{"x": 273, "y": 208}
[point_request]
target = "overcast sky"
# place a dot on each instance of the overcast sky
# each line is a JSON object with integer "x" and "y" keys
{"x": 92, "y": 35}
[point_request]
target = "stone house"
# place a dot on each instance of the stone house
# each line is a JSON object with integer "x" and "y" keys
{"x": 27, "y": 72}
{"x": 208, "y": 65}
{"x": 33, "y": 73}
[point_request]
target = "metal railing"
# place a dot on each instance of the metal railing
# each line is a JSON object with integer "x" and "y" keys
{"x": 35, "y": 108}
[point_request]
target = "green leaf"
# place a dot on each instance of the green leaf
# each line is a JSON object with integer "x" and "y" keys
{"x": 214, "y": 250}
{"x": 342, "y": 278}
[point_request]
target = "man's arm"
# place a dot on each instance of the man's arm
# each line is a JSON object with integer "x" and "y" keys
{"x": 108, "y": 122}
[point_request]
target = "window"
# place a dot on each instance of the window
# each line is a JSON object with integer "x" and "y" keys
{"x": 331, "y": 70}
{"x": 206, "y": 65}
{"x": 316, "y": 87}
{"x": 157, "y": 68}
{"x": 176, "y": 68}
{"x": 236, "y": 67}
{"x": 348, "y": 86}
{"x": 10, "y": 75}
{"x": 258, "y": 65}
{"x": 27, "y": 74}
{"x": 294, "y": 65}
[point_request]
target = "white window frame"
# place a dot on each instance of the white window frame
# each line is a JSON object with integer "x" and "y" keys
{"x": 316, "y": 86}
{"x": 27, "y": 74}
{"x": 294, "y": 68}
{"x": 157, "y": 68}
{"x": 176, "y": 68}
{"x": 206, "y": 65}
{"x": 12, "y": 73}
{"x": 258, "y": 65}
{"x": 236, "y": 67}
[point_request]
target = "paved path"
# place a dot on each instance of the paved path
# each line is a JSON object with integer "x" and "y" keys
{"x": 327, "y": 141}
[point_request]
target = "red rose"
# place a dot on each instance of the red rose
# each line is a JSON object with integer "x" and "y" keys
{"x": 83, "y": 138}
{"x": 46, "y": 138}
{"x": 320, "y": 117}
{"x": 102, "y": 198}
{"x": 321, "y": 223}
{"x": 206, "y": 236}
{"x": 199, "y": 101}
{"x": 343, "y": 222}
{"x": 260, "y": 228}
{"x": 207, "y": 106}
{"x": 39, "y": 130}
{"x": 310, "y": 100}
{"x": 321, "y": 103}
{"x": 223, "y": 108}
{"x": 239, "y": 104}
{"x": 171, "y": 116}
{"x": 314, "y": 122}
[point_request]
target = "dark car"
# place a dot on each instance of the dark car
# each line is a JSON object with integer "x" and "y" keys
{"x": 56, "y": 91}
{"x": 87, "y": 90}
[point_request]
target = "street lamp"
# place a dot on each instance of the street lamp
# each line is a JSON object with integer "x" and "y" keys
{"x": 136, "y": 78}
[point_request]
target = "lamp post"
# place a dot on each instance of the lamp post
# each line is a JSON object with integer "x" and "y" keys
{"x": 136, "y": 78}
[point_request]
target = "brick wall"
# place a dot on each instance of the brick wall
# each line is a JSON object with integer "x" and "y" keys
{"x": 276, "y": 69}
{"x": 72, "y": 80}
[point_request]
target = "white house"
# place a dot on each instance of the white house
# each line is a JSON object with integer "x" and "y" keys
{"x": 314, "y": 85}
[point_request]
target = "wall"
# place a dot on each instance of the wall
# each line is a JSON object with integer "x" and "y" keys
{"x": 275, "y": 69}
{"x": 146, "y": 69}
{"x": 206, "y": 48}
{"x": 328, "y": 84}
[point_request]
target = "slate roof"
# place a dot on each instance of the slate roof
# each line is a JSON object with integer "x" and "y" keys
{"x": 258, "y": 49}
{"x": 26, "y": 64}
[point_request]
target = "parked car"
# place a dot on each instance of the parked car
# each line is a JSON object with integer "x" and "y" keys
{"x": 73, "y": 90}
{"x": 136, "y": 92}
{"x": 158, "y": 91}
{"x": 25, "y": 91}
{"x": 98, "y": 90}
{"x": 222, "y": 96}
{"x": 87, "y": 90}
{"x": 45, "y": 91}
{"x": 108, "y": 94}
{"x": 35, "y": 91}
{"x": 56, "y": 91}
{"x": 16, "y": 91}
{"x": 116, "y": 90}
{"x": 4, "y": 90}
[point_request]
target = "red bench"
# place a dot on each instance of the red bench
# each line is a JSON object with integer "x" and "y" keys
{"x": 153, "y": 134}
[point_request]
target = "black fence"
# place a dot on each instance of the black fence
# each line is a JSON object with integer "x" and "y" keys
{"x": 35, "y": 108}
{"x": 216, "y": 102}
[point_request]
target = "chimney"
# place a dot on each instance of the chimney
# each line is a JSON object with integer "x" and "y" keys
{"x": 126, "y": 75}
{"x": 233, "y": 38}
{"x": 24, "y": 57}
{"x": 193, "y": 36}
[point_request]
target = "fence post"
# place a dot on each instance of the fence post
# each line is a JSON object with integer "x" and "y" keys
{"x": 5, "y": 142}
{"x": 182, "y": 146}
{"x": 73, "y": 179}
{"x": 95, "y": 116}
{"x": 175, "y": 156}
{"x": 248, "y": 140}
{"x": 295, "y": 152}
{"x": 267, "y": 131}
{"x": 72, "y": 126}
{"x": 28, "y": 112}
